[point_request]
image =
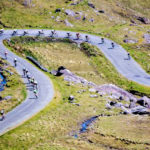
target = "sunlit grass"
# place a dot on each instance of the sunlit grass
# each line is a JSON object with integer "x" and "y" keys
{"x": 14, "y": 88}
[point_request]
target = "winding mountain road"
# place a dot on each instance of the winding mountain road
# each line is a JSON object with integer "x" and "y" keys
{"x": 117, "y": 55}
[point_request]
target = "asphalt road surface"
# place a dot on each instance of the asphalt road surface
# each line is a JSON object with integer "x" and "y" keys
{"x": 117, "y": 56}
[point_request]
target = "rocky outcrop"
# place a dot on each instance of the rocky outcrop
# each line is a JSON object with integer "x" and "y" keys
{"x": 36, "y": 63}
{"x": 132, "y": 41}
{"x": 147, "y": 38}
{"x": 117, "y": 95}
{"x": 70, "y": 12}
{"x": 57, "y": 10}
{"x": 91, "y": 5}
{"x": 71, "y": 77}
{"x": 67, "y": 23}
{"x": 140, "y": 110}
{"x": 114, "y": 91}
{"x": 143, "y": 20}
{"x": 144, "y": 101}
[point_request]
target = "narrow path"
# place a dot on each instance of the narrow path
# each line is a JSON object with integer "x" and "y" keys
{"x": 118, "y": 57}
{"x": 31, "y": 105}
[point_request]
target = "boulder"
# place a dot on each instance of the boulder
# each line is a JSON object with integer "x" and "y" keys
{"x": 91, "y": 20}
{"x": 118, "y": 105}
{"x": 37, "y": 63}
{"x": 7, "y": 97}
{"x": 57, "y": 10}
{"x": 132, "y": 104}
{"x": 114, "y": 92}
{"x": 91, "y": 5}
{"x": 94, "y": 96}
{"x": 108, "y": 106}
{"x": 81, "y": 91}
{"x": 144, "y": 20}
{"x": 71, "y": 98}
{"x": 92, "y": 90}
{"x": 67, "y": 23}
{"x": 78, "y": 17}
{"x": 70, "y": 12}
{"x": 101, "y": 11}
{"x": 147, "y": 38}
{"x": 84, "y": 18}
{"x": 132, "y": 41}
{"x": 57, "y": 19}
{"x": 132, "y": 21}
{"x": 120, "y": 98}
{"x": 54, "y": 72}
{"x": 125, "y": 110}
{"x": 112, "y": 103}
{"x": 1, "y": 98}
{"x": 140, "y": 110}
{"x": 144, "y": 101}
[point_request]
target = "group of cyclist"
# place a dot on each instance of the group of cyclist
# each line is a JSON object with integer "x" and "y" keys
{"x": 31, "y": 81}
{"x": 26, "y": 74}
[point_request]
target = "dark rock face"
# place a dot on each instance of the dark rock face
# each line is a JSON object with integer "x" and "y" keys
{"x": 67, "y": 23}
{"x": 7, "y": 97}
{"x": 144, "y": 20}
{"x": 147, "y": 38}
{"x": 101, "y": 11}
{"x": 140, "y": 110}
{"x": 57, "y": 10}
{"x": 71, "y": 98}
{"x": 132, "y": 21}
{"x": 113, "y": 103}
{"x": 132, "y": 104}
{"x": 93, "y": 96}
{"x": 114, "y": 91}
{"x": 36, "y": 63}
{"x": 58, "y": 72}
{"x": 91, "y": 5}
{"x": 130, "y": 41}
{"x": 144, "y": 101}
{"x": 70, "y": 12}
{"x": 1, "y": 98}
{"x": 84, "y": 18}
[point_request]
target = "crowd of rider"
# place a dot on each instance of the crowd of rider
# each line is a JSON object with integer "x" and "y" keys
{"x": 26, "y": 73}
{"x": 31, "y": 81}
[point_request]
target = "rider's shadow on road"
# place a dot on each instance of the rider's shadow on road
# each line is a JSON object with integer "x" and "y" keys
{"x": 126, "y": 59}
{"x": 32, "y": 98}
{"x": 110, "y": 48}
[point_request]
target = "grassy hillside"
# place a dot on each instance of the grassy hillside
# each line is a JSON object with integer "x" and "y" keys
{"x": 14, "y": 85}
{"x": 55, "y": 127}
{"x": 118, "y": 22}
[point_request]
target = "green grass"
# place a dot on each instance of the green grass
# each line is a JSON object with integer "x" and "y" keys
{"x": 48, "y": 53}
{"x": 14, "y": 85}
{"x": 142, "y": 55}
{"x": 88, "y": 66}
{"x": 51, "y": 128}
{"x": 54, "y": 126}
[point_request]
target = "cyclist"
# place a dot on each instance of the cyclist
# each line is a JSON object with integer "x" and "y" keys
{"x": 15, "y": 62}
{"x": 6, "y": 54}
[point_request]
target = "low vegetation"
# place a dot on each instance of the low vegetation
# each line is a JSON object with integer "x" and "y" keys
{"x": 55, "y": 127}
{"x": 52, "y": 56}
{"x": 14, "y": 84}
